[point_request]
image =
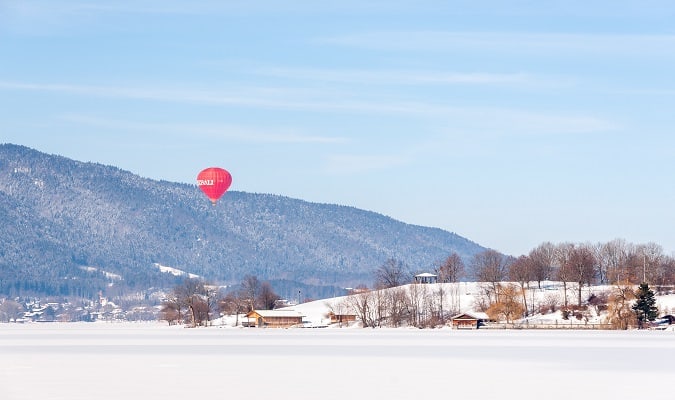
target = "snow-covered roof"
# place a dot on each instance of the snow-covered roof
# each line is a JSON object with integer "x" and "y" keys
{"x": 473, "y": 315}
{"x": 277, "y": 313}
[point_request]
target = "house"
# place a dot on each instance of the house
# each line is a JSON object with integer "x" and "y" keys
{"x": 468, "y": 321}
{"x": 273, "y": 318}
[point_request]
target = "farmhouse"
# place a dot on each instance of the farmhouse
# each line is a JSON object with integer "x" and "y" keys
{"x": 273, "y": 318}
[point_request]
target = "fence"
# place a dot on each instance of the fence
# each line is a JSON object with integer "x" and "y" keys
{"x": 555, "y": 324}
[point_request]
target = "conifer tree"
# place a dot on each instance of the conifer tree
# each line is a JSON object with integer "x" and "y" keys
{"x": 645, "y": 305}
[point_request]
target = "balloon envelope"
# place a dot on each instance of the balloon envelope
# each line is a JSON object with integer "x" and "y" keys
{"x": 214, "y": 182}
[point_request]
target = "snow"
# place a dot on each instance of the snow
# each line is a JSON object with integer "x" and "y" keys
{"x": 462, "y": 297}
{"x": 107, "y": 274}
{"x": 106, "y": 361}
{"x": 175, "y": 271}
{"x": 154, "y": 361}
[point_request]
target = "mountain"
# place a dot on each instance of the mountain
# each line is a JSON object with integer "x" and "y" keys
{"x": 75, "y": 228}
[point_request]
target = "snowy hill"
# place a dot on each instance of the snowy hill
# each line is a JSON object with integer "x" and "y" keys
{"x": 65, "y": 222}
{"x": 546, "y": 303}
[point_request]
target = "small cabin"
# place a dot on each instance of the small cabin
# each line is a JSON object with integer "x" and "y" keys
{"x": 467, "y": 321}
{"x": 341, "y": 318}
{"x": 273, "y": 318}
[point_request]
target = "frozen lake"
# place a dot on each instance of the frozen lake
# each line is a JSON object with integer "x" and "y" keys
{"x": 153, "y": 361}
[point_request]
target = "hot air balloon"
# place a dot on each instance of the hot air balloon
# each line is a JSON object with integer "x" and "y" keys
{"x": 214, "y": 182}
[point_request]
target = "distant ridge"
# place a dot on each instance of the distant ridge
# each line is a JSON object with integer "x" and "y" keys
{"x": 61, "y": 217}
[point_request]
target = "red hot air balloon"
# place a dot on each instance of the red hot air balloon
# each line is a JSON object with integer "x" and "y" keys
{"x": 214, "y": 182}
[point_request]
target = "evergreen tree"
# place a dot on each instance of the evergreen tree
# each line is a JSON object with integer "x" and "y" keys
{"x": 645, "y": 305}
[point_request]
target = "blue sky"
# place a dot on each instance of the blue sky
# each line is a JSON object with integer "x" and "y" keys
{"x": 508, "y": 122}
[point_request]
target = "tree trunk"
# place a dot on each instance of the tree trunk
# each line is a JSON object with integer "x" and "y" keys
{"x": 522, "y": 289}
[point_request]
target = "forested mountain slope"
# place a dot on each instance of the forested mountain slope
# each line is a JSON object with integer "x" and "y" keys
{"x": 74, "y": 228}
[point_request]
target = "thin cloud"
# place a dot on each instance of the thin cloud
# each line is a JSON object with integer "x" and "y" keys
{"x": 261, "y": 97}
{"x": 499, "y": 118}
{"x": 211, "y": 131}
{"x": 546, "y": 43}
{"x": 393, "y": 77}
{"x": 346, "y": 164}
{"x": 47, "y": 17}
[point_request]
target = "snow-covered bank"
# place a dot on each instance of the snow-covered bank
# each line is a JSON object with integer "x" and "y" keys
{"x": 544, "y": 302}
{"x": 154, "y": 361}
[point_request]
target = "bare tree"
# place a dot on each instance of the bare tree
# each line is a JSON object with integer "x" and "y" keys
{"x": 492, "y": 267}
{"x": 191, "y": 295}
{"x": 611, "y": 258}
{"x": 363, "y": 304}
{"x": 211, "y": 297}
{"x": 398, "y": 306}
{"x": 266, "y": 296}
{"x": 391, "y": 274}
{"x": 564, "y": 270}
{"x": 381, "y": 307}
{"x": 170, "y": 312}
{"x": 543, "y": 258}
{"x": 418, "y": 294}
{"x": 664, "y": 275}
{"x": 632, "y": 271}
{"x": 199, "y": 307}
{"x": 652, "y": 254}
{"x": 250, "y": 286}
{"x": 451, "y": 270}
{"x": 581, "y": 264}
{"x": 484, "y": 296}
{"x": 440, "y": 297}
{"x": 454, "y": 296}
{"x": 551, "y": 302}
{"x": 234, "y": 303}
{"x": 521, "y": 271}
{"x": 10, "y": 310}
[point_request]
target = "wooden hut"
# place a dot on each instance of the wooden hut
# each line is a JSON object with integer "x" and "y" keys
{"x": 273, "y": 318}
{"x": 341, "y": 318}
{"x": 467, "y": 321}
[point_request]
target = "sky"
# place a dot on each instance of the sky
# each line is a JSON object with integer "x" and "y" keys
{"x": 510, "y": 123}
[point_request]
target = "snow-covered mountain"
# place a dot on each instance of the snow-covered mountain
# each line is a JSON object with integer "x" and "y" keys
{"x": 75, "y": 228}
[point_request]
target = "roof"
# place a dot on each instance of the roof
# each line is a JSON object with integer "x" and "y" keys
{"x": 277, "y": 313}
{"x": 425, "y": 275}
{"x": 473, "y": 315}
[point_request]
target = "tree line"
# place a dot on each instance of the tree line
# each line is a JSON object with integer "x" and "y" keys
{"x": 505, "y": 282}
{"x": 195, "y": 303}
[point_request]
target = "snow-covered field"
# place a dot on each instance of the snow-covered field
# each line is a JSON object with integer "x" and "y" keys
{"x": 153, "y": 361}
